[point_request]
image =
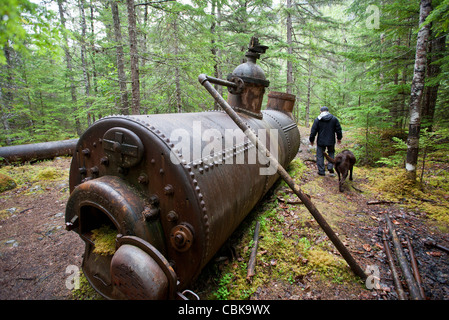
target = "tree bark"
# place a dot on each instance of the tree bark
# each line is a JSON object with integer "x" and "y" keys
{"x": 135, "y": 82}
{"x": 83, "y": 49}
{"x": 6, "y": 97}
{"x": 92, "y": 44}
{"x": 417, "y": 91}
{"x": 309, "y": 89}
{"x": 177, "y": 74}
{"x": 124, "y": 104}
{"x": 216, "y": 13}
{"x": 436, "y": 50}
{"x": 289, "y": 49}
{"x": 143, "y": 51}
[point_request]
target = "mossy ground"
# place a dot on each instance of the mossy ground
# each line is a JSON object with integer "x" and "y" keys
{"x": 294, "y": 252}
{"x": 33, "y": 178}
{"x": 85, "y": 291}
{"x": 295, "y": 258}
{"x": 6, "y": 183}
{"x": 430, "y": 198}
{"x": 291, "y": 247}
{"x": 30, "y": 179}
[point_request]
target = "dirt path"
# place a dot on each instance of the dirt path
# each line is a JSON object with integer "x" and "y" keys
{"x": 36, "y": 250}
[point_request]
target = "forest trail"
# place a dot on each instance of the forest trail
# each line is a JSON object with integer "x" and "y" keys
{"x": 358, "y": 217}
{"x": 36, "y": 250}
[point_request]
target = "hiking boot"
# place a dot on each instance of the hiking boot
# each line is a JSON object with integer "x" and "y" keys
{"x": 321, "y": 173}
{"x": 331, "y": 173}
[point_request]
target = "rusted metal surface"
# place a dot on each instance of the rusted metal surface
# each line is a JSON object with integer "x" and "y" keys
{"x": 135, "y": 275}
{"x": 107, "y": 200}
{"x": 281, "y": 101}
{"x": 178, "y": 185}
{"x": 140, "y": 271}
{"x": 256, "y": 76}
{"x": 37, "y": 151}
{"x": 249, "y": 99}
{"x": 286, "y": 177}
{"x": 191, "y": 208}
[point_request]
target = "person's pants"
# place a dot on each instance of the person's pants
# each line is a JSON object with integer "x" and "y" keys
{"x": 320, "y": 157}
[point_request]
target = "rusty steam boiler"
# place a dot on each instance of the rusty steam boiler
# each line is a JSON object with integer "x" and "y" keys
{"x": 171, "y": 217}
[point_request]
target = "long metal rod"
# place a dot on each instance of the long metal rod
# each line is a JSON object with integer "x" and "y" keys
{"x": 411, "y": 282}
{"x": 222, "y": 82}
{"x": 286, "y": 177}
{"x": 394, "y": 271}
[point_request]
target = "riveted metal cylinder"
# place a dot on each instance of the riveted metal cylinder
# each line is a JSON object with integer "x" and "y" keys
{"x": 209, "y": 183}
{"x": 174, "y": 187}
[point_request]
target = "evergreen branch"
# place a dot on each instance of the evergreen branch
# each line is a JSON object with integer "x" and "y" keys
{"x": 152, "y": 2}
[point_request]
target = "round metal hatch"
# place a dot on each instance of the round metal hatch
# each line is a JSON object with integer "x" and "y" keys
{"x": 123, "y": 147}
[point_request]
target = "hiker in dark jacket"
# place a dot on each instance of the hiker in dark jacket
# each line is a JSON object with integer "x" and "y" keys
{"x": 327, "y": 127}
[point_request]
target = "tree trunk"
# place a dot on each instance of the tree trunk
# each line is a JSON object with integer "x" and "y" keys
{"x": 177, "y": 75}
{"x": 68, "y": 60}
{"x": 83, "y": 48}
{"x": 395, "y": 114}
{"x": 135, "y": 82}
{"x": 5, "y": 100}
{"x": 218, "y": 71}
{"x": 92, "y": 44}
{"x": 215, "y": 12}
{"x": 290, "y": 49}
{"x": 417, "y": 91}
{"x": 309, "y": 89}
{"x": 124, "y": 105}
{"x": 436, "y": 49}
{"x": 143, "y": 51}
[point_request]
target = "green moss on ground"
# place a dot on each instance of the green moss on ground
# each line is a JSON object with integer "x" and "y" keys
{"x": 6, "y": 183}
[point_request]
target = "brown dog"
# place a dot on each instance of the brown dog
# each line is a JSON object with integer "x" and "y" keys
{"x": 344, "y": 162}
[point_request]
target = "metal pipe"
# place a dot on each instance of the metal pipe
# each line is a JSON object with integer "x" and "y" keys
{"x": 411, "y": 282}
{"x": 394, "y": 272}
{"x": 37, "y": 151}
{"x": 202, "y": 78}
{"x": 222, "y": 82}
{"x": 415, "y": 269}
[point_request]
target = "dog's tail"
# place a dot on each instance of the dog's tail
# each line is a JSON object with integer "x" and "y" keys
{"x": 329, "y": 158}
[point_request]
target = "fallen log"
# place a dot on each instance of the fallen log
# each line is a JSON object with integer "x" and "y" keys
{"x": 37, "y": 151}
{"x": 394, "y": 272}
{"x": 432, "y": 243}
{"x": 379, "y": 202}
{"x": 415, "y": 269}
{"x": 411, "y": 282}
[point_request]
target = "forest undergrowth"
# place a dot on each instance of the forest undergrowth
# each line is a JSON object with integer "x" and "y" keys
{"x": 295, "y": 259}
